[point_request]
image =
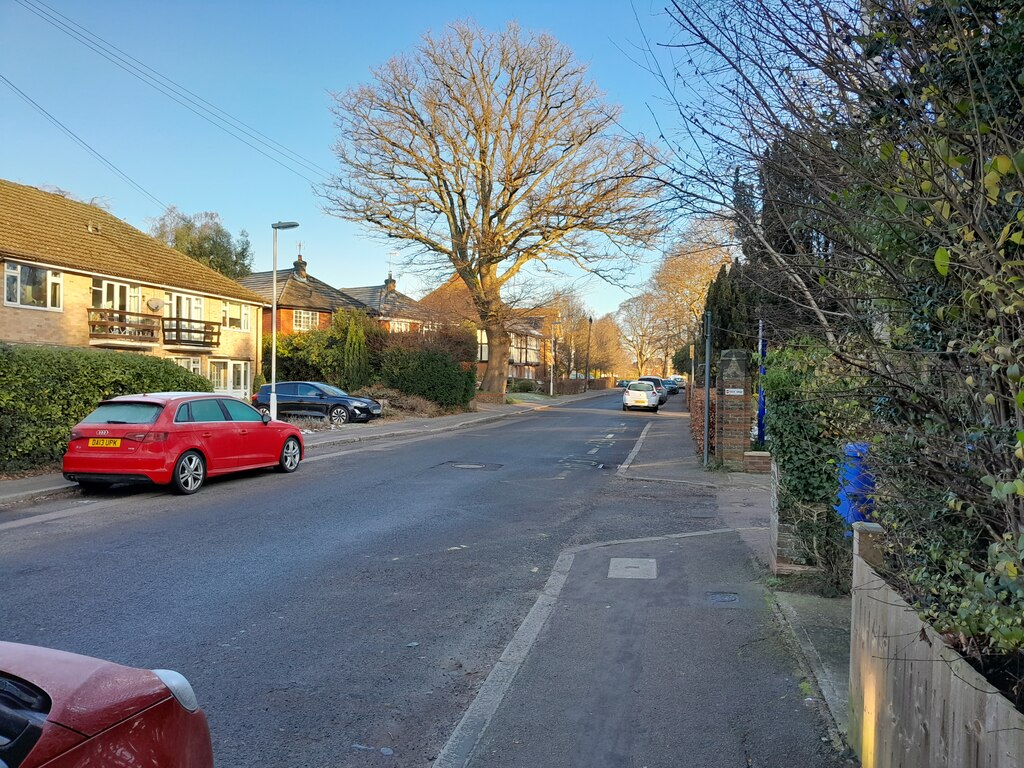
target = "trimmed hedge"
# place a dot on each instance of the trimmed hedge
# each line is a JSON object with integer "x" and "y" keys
{"x": 430, "y": 374}
{"x": 45, "y": 391}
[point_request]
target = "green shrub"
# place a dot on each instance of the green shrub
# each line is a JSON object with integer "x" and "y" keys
{"x": 523, "y": 385}
{"x": 45, "y": 391}
{"x": 427, "y": 373}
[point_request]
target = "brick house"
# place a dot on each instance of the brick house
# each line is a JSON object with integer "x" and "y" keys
{"x": 303, "y": 302}
{"x": 529, "y": 330}
{"x": 396, "y": 312}
{"x": 74, "y": 275}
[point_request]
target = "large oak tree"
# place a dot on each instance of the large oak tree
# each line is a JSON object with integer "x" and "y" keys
{"x": 488, "y": 153}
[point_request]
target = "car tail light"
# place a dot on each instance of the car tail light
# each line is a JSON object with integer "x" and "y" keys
{"x": 157, "y": 437}
{"x": 76, "y": 434}
{"x": 138, "y": 437}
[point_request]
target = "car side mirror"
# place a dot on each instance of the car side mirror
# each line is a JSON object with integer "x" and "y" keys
{"x": 266, "y": 418}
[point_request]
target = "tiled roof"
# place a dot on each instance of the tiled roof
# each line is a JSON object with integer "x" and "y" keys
{"x": 390, "y": 303}
{"x": 54, "y": 230}
{"x": 301, "y": 294}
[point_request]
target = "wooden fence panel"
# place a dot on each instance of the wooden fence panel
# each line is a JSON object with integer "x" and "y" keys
{"x": 914, "y": 702}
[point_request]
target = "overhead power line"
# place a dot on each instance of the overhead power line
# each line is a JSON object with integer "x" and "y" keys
{"x": 82, "y": 142}
{"x": 212, "y": 114}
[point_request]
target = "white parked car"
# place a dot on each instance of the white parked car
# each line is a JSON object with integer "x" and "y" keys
{"x": 640, "y": 394}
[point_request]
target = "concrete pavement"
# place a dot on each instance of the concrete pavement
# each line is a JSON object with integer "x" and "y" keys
{"x": 614, "y": 660}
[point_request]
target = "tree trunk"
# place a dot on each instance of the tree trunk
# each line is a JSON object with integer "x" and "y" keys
{"x": 498, "y": 346}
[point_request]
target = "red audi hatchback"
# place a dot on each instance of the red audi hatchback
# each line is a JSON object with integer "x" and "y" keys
{"x": 180, "y": 438}
{"x": 62, "y": 710}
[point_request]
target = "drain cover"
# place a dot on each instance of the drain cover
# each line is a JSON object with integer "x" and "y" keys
{"x": 721, "y": 598}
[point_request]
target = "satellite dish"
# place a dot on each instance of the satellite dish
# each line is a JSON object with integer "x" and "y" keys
{"x": 155, "y": 304}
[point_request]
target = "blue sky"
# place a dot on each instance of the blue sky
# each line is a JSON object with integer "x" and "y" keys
{"x": 272, "y": 66}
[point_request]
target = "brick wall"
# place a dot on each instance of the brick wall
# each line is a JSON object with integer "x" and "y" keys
{"x": 696, "y": 396}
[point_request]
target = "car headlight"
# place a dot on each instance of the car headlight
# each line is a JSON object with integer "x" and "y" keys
{"x": 179, "y": 687}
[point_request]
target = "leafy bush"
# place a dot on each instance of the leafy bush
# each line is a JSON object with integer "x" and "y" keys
{"x": 430, "y": 374}
{"x": 45, "y": 391}
{"x": 523, "y": 385}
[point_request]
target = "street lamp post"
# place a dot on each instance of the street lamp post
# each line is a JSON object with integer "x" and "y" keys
{"x": 586, "y": 377}
{"x": 273, "y": 319}
{"x": 554, "y": 347}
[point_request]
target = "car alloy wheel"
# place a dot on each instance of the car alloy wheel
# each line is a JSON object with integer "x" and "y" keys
{"x": 189, "y": 473}
{"x": 339, "y": 414}
{"x": 291, "y": 455}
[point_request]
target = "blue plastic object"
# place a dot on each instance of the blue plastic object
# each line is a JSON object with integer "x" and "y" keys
{"x": 856, "y": 485}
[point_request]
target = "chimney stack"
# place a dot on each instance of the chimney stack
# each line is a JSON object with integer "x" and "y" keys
{"x": 300, "y": 268}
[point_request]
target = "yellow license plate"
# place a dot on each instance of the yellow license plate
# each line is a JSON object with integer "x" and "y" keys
{"x": 104, "y": 442}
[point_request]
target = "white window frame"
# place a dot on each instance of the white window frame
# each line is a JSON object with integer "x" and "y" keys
{"x": 482, "y": 347}
{"x": 193, "y": 364}
{"x": 54, "y": 279}
{"x": 243, "y": 316}
{"x": 399, "y": 326}
{"x": 305, "y": 320}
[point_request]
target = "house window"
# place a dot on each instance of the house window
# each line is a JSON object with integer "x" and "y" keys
{"x": 398, "y": 326}
{"x": 188, "y": 363}
{"x": 533, "y": 350}
{"x": 481, "y": 346}
{"x": 519, "y": 349}
{"x": 26, "y": 286}
{"x": 235, "y": 316}
{"x": 304, "y": 320}
{"x": 107, "y": 294}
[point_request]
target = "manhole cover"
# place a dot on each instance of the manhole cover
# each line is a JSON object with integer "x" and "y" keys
{"x": 721, "y": 598}
{"x": 470, "y": 465}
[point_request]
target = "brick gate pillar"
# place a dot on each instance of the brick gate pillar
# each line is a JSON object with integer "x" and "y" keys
{"x": 732, "y": 419}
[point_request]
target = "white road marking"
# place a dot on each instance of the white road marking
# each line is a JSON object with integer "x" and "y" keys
{"x": 608, "y": 437}
{"x": 636, "y": 449}
{"x": 593, "y": 450}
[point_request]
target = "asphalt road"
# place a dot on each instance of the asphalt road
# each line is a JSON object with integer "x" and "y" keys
{"x": 347, "y": 614}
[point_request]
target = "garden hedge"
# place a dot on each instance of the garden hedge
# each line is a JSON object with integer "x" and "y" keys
{"x": 45, "y": 391}
{"x": 430, "y": 374}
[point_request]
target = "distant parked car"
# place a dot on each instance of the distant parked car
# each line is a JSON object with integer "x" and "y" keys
{"x": 671, "y": 386}
{"x": 179, "y": 438}
{"x": 640, "y": 394}
{"x": 623, "y": 383}
{"x": 659, "y": 385}
{"x": 314, "y": 399}
{"x": 62, "y": 710}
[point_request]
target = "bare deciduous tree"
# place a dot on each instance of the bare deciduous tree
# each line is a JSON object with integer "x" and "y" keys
{"x": 488, "y": 153}
{"x": 638, "y": 323}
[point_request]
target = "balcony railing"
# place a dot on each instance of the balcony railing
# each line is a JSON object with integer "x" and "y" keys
{"x": 182, "y": 332}
{"x": 114, "y": 326}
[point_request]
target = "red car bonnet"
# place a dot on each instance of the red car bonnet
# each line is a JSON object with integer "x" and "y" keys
{"x": 89, "y": 695}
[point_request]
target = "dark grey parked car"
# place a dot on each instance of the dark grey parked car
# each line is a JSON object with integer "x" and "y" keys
{"x": 314, "y": 399}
